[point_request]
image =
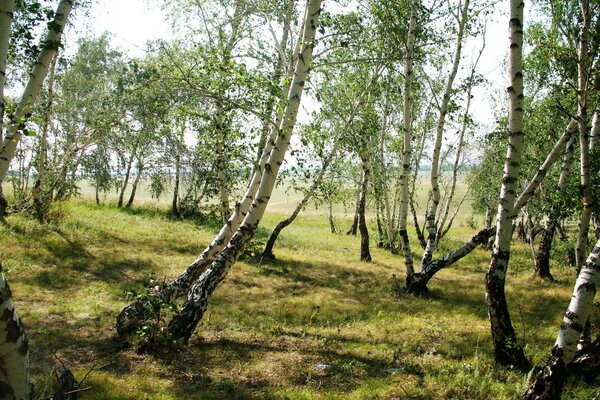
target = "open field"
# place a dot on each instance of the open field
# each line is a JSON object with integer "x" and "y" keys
{"x": 315, "y": 324}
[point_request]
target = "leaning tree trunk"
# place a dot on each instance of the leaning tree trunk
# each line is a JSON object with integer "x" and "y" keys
{"x": 542, "y": 259}
{"x": 51, "y": 44}
{"x": 14, "y": 349}
{"x": 365, "y": 254}
{"x": 549, "y": 382}
{"x": 185, "y": 321}
{"x": 134, "y": 314}
{"x": 268, "y": 252}
{"x": 417, "y": 282}
{"x": 435, "y": 160}
{"x": 407, "y": 137}
{"x": 507, "y": 350}
{"x": 126, "y": 180}
{"x": 136, "y": 182}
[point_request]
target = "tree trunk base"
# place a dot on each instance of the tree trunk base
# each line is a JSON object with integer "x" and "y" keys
{"x": 269, "y": 256}
{"x": 587, "y": 362}
{"x": 416, "y": 285}
{"x": 3, "y": 205}
{"x": 549, "y": 382}
{"x": 512, "y": 356}
{"x": 132, "y": 317}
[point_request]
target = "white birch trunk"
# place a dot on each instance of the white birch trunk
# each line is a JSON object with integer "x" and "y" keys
{"x": 435, "y": 189}
{"x": 14, "y": 350}
{"x": 407, "y": 138}
{"x": 506, "y": 349}
{"x": 548, "y": 384}
{"x": 34, "y": 85}
{"x": 583, "y": 62}
{"x": 184, "y": 322}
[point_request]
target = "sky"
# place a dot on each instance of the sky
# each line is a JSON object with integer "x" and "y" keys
{"x": 134, "y": 22}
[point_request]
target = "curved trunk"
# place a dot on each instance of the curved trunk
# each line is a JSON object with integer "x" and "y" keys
{"x": 126, "y": 180}
{"x": 184, "y": 322}
{"x": 136, "y": 182}
{"x": 507, "y": 351}
{"x": 268, "y": 252}
{"x": 548, "y": 383}
{"x": 39, "y": 202}
{"x": 417, "y": 282}
{"x": 14, "y": 349}
{"x": 51, "y": 44}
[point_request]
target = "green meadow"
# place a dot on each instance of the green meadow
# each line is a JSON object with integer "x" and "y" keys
{"x": 316, "y": 323}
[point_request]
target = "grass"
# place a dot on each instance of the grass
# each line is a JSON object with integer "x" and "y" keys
{"x": 314, "y": 324}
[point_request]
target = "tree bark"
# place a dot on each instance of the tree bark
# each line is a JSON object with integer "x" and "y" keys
{"x": 417, "y": 282}
{"x": 365, "y": 254}
{"x": 51, "y": 44}
{"x": 435, "y": 190}
{"x": 14, "y": 349}
{"x": 542, "y": 260}
{"x": 354, "y": 228}
{"x": 549, "y": 382}
{"x": 136, "y": 182}
{"x": 126, "y": 180}
{"x": 407, "y": 138}
{"x": 583, "y": 62}
{"x": 185, "y": 321}
{"x": 507, "y": 350}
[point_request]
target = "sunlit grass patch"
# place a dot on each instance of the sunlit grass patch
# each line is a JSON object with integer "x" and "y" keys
{"x": 316, "y": 323}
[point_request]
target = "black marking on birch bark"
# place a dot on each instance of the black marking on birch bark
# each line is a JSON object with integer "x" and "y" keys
{"x": 587, "y": 286}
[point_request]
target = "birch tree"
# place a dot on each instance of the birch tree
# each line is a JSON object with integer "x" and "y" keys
{"x": 49, "y": 48}
{"x": 133, "y": 315}
{"x": 549, "y": 382}
{"x": 181, "y": 327}
{"x": 507, "y": 350}
{"x": 14, "y": 349}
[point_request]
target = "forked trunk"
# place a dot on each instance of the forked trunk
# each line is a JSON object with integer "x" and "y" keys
{"x": 184, "y": 322}
{"x": 542, "y": 260}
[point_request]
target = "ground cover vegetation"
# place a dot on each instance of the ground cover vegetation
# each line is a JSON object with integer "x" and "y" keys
{"x": 174, "y": 225}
